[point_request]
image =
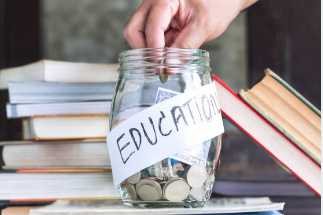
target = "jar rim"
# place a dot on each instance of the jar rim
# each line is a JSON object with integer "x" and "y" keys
{"x": 198, "y": 52}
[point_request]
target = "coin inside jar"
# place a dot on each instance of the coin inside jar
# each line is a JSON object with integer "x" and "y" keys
{"x": 130, "y": 190}
{"x": 148, "y": 193}
{"x": 134, "y": 178}
{"x": 176, "y": 190}
{"x": 149, "y": 189}
{"x": 197, "y": 193}
{"x": 196, "y": 175}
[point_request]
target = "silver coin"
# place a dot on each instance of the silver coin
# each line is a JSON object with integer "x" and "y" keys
{"x": 163, "y": 76}
{"x": 197, "y": 193}
{"x": 196, "y": 175}
{"x": 148, "y": 193}
{"x": 134, "y": 178}
{"x": 131, "y": 190}
{"x": 150, "y": 182}
{"x": 176, "y": 190}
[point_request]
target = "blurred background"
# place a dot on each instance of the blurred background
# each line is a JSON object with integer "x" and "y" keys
{"x": 284, "y": 36}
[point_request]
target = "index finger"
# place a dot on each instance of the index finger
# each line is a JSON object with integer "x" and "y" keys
{"x": 134, "y": 31}
{"x": 158, "y": 21}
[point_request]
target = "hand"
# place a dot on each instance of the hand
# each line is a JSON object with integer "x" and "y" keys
{"x": 181, "y": 23}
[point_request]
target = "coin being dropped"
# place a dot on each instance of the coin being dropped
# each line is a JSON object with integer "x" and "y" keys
{"x": 163, "y": 76}
{"x": 176, "y": 190}
{"x": 196, "y": 175}
{"x": 148, "y": 193}
{"x": 134, "y": 178}
{"x": 197, "y": 193}
{"x": 130, "y": 190}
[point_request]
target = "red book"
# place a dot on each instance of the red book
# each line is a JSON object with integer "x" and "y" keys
{"x": 274, "y": 142}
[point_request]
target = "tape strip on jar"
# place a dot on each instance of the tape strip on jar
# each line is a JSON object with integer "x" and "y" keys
{"x": 163, "y": 130}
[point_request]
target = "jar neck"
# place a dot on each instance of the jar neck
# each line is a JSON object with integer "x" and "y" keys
{"x": 176, "y": 60}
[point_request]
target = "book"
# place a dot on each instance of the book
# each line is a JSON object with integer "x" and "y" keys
{"x": 300, "y": 205}
{"x": 267, "y": 136}
{"x": 59, "y": 71}
{"x": 20, "y": 208}
{"x": 36, "y": 92}
{"x": 55, "y": 127}
{"x": 64, "y": 154}
{"x": 248, "y": 188}
{"x": 49, "y": 185}
{"x": 27, "y": 110}
{"x": 17, "y": 210}
{"x": 288, "y": 111}
{"x": 229, "y": 206}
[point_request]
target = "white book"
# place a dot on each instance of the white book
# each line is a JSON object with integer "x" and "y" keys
{"x": 59, "y": 71}
{"x": 64, "y": 154}
{"x": 57, "y": 185}
{"x": 58, "y": 127}
{"x": 214, "y": 206}
{"x": 36, "y": 92}
{"x": 26, "y": 110}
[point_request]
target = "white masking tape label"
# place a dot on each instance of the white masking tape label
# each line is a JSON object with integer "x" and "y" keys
{"x": 163, "y": 130}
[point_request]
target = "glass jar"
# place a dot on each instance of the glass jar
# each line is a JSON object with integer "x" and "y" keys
{"x": 185, "y": 179}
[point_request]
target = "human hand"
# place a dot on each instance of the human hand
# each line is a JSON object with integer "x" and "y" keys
{"x": 181, "y": 23}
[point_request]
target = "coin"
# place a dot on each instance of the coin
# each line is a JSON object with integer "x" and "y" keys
{"x": 197, "y": 193}
{"x": 130, "y": 190}
{"x": 163, "y": 76}
{"x": 196, "y": 175}
{"x": 176, "y": 190}
{"x": 134, "y": 178}
{"x": 147, "y": 192}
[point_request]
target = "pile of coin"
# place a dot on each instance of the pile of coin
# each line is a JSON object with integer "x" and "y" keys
{"x": 168, "y": 180}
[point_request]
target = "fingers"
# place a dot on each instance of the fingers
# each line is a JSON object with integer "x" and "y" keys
{"x": 158, "y": 21}
{"x": 170, "y": 35}
{"x": 190, "y": 37}
{"x": 134, "y": 31}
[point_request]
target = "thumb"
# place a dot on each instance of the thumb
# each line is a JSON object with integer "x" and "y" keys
{"x": 189, "y": 37}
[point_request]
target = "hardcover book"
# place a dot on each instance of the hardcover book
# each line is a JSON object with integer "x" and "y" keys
{"x": 267, "y": 136}
{"x": 288, "y": 111}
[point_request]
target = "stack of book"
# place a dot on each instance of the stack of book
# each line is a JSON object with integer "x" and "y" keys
{"x": 64, "y": 108}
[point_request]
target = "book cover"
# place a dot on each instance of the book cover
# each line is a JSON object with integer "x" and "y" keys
{"x": 267, "y": 136}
